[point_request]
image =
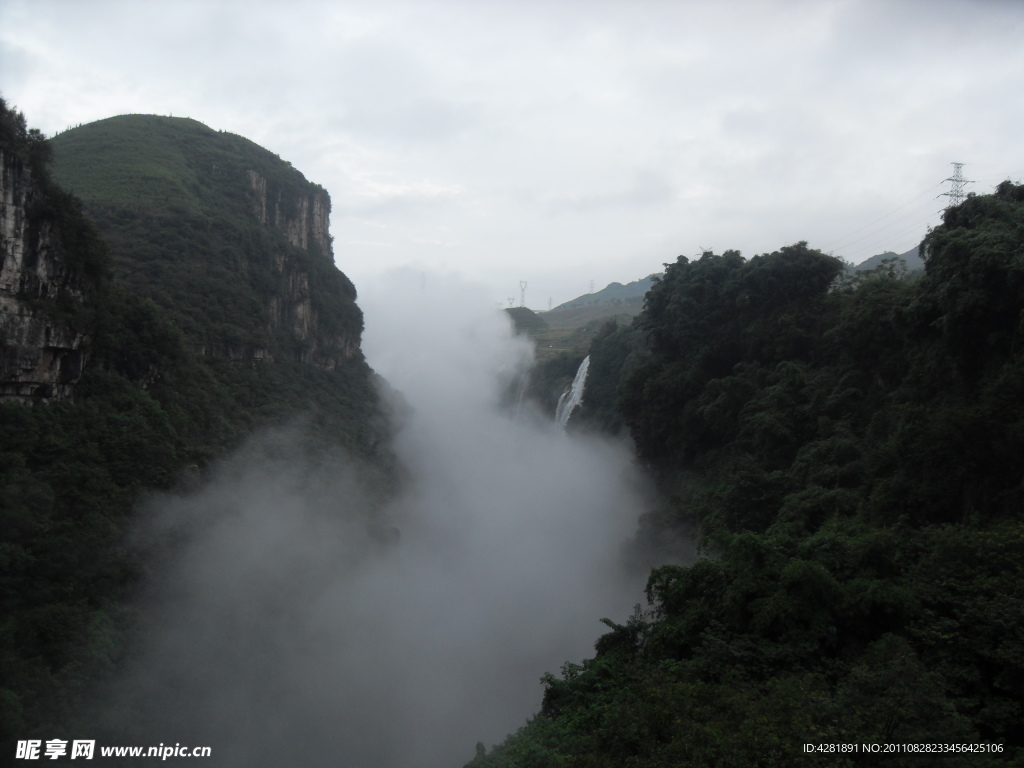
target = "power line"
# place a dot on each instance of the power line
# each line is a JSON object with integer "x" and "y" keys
{"x": 885, "y": 243}
{"x": 846, "y": 237}
{"x": 895, "y": 223}
{"x": 884, "y": 233}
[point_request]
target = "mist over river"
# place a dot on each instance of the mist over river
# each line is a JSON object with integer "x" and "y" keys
{"x": 291, "y": 632}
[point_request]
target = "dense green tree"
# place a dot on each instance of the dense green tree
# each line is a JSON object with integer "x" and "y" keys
{"x": 849, "y": 449}
{"x": 159, "y": 399}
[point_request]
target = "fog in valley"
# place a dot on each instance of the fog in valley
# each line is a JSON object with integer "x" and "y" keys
{"x": 296, "y": 625}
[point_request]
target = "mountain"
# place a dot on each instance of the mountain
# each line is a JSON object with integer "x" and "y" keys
{"x": 616, "y": 294}
{"x": 911, "y": 258}
{"x": 185, "y": 301}
{"x": 570, "y": 327}
{"x": 525, "y": 320}
{"x": 228, "y": 239}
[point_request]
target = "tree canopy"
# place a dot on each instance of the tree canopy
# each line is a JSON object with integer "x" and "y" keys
{"x": 849, "y": 452}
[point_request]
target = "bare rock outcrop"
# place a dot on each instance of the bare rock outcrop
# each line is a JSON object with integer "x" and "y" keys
{"x": 42, "y": 353}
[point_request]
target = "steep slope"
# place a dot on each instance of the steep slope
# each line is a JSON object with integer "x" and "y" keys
{"x": 50, "y": 265}
{"x": 220, "y": 315}
{"x": 525, "y": 320}
{"x": 849, "y": 453}
{"x": 227, "y": 238}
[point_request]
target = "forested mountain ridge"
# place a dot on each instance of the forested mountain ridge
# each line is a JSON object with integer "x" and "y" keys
{"x": 613, "y": 293}
{"x": 848, "y": 449}
{"x": 207, "y": 310}
{"x": 222, "y": 234}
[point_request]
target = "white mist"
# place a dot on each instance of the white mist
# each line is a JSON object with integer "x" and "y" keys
{"x": 287, "y": 635}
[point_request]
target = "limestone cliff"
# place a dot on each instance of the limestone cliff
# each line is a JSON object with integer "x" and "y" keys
{"x": 309, "y": 223}
{"x": 42, "y": 347}
{"x": 303, "y": 218}
{"x": 227, "y": 238}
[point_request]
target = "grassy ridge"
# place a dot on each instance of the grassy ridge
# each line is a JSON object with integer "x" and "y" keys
{"x": 173, "y": 200}
{"x": 162, "y": 164}
{"x": 134, "y": 160}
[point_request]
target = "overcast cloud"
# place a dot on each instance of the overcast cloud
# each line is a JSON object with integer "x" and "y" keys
{"x": 564, "y": 142}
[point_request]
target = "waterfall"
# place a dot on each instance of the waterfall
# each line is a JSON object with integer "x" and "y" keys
{"x": 573, "y": 396}
{"x": 524, "y": 382}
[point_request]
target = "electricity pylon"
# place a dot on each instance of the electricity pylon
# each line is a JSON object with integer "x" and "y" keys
{"x": 956, "y": 191}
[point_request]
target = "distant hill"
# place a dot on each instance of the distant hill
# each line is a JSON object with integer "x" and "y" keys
{"x": 571, "y": 326}
{"x": 613, "y": 293}
{"x": 526, "y": 320}
{"x": 911, "y": 258}
{"x": 570, "y": 329}
{"x": 575, "y": 317}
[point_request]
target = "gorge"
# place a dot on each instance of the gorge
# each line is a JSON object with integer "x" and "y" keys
{"x": 383, "y": 567}
{"x": 230, "y": 517}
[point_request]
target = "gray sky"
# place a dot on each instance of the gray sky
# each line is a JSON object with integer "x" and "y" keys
{"x": 562, "y": 142}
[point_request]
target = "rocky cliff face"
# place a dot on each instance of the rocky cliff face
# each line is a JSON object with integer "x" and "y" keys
{"x": 304, "y": 220}
{"x": 310, "y": 222}
{"x": 229, "y": 240}
{"x": 41, "y": 352}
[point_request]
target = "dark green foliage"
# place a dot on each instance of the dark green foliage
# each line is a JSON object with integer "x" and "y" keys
{"x": 171, "y": 384}
{"x": 27, "y": 144}
{"x": 81, "y": 261}
{"x": 550, "y": 378}
{"x": 525, "y": 320}
{"x": 850, "y": 449}
{"x": 729, "y": 321}
{"x": 614, "y": 354}
{"x": 181, "y": 205}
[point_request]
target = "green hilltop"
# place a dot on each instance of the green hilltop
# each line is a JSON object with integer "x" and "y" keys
{"x": 213, "y": 311}
{"x": 228, "y": 239}
{"x": 615, "y": 294}
{"x": 568, "y": 329}
{"x": 173, "y": 164}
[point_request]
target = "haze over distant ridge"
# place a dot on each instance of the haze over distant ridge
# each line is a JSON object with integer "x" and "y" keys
{"x": 559, "y": 143}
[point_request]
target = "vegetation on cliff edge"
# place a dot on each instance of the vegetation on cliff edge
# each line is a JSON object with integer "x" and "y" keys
{"x": 151, "y": 412}
{"x": 849, "y": 450}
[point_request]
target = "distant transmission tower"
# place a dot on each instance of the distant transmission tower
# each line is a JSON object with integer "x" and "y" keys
{"x": 956, "y": 191}
{"x": 522, "y": 293}
{"x": 549, "y": 302}
{"x": 511, "y": 301}
{"x": 591, "y": 286}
